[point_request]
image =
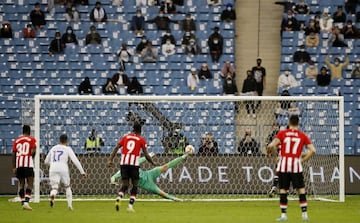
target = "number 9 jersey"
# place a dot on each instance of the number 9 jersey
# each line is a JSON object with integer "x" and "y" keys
{"x": 131, "y": 144}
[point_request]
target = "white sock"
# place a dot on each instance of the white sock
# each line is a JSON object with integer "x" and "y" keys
{"x": 69, "y": 196}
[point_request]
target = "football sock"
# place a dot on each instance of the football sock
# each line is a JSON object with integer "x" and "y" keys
{"x": 27, "y": 194}
{"x": 303, "y": 202}
{"x": 132, "y": 201}
{"x": 175, "y": 162}
{"x": 283, "y": 204}
{"x": 69, "y": 196}
{"x": 22, "y": 196}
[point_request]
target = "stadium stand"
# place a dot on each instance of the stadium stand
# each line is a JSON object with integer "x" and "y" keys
{"x": 27, "y": 69}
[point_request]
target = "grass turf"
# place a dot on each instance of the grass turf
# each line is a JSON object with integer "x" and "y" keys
{"x": 184, "y": 212}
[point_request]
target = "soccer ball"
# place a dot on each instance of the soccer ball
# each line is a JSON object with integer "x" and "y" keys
{"x": 189, "y": 149}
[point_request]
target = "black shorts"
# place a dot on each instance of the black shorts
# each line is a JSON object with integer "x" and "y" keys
{"x": 129, "y": 172}
{"x": 297, "y": 180}
{"x": 24, "y": 172}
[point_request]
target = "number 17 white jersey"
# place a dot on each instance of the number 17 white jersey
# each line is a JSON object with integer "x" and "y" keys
{"x": 58, "y": 158}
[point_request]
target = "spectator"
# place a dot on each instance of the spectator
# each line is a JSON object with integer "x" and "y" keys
{"x": 124, "y": 56}
{"x": 186, "y": 38}
{"x": 162, "y": 22}
{"x": 149, "y": 53}
{"x": 81, "y": 2}
{"x": 301, "y": 55}
{"x": 204, "y": 72}
{"x": 137, "y": 24}
{"x": 275, "y": 130}
{"x": 208, "y": 145}
{"x": 168, "y": 36}
{"x": 293, "y": 109}
{"x": 326, "y": 22}
{"x": 93, "y": 37}
{"x": 227, "y": 68}
{"x": 290, "y": 23}
{"x": 312, "y": 40}
{"x": 93, "y": 143}
{"x": 283, "y": 105}
{"x": 6, "y": 30}
{"x": 168, "y": 7}
{"x": 313, "y": 27}
{"x": 192, "y": 79}
{"x": 57, "y": 46}
{"x": 71, "y": 13}
{"x": 301, "y": 8}
{"x": 249, "y": 89}
{"x": 144, "y": 41}
{"x": 355, "y": 73}
{"x": 117, "y": 3}
{"x": 287, "y": 80}
{"x": 51, "y": 7}
{"x": 69, "y": 38}
{"x": 350, "y": 31}
{"x": 192, "y": 47}
{"x": 229, "y": 85}
{"x": 312, "y": 70}
{"x": 336, "y": 67}
{"x": 259, "y": 73}
{"x": 98, "y": 13}
{"x": 37, "y": 17}
{"x": 175, "y": 142}
{"x": 85, "y": 87}
{"x": 188, "y": 24}
{"x": 109, "y": 87}
{"x": 350, "y": 6}
{"x": 228, "y": 14}
{"x": 215, "y": 43}
{"x": 214, "y": 2}
{"x": 28, "y": 31}
{"x": 120, "y": 78}
{"x": 324, "y": 78}
{"x": 168, "y": 48}
{"x": 135, "y": 87}
{"x": 339, "y": 16}
{"x": 248, "y": 146}
{"x": 336, "y": 38}
{"x": 288, "y": 5}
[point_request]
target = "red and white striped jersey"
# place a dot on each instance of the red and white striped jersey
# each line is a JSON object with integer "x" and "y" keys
{"x": 292, "y": 143}
{"x": 131, "y": 144}
{"x": 23, "y": 147}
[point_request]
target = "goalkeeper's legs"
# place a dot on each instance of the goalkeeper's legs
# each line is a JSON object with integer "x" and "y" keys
{"x": 114, "y": 178}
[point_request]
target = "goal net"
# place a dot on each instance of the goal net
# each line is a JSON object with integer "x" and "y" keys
{"x": 229, "y": 139}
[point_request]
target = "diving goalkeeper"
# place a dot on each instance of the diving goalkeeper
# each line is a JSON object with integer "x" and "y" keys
{"x": 148, "y": 177}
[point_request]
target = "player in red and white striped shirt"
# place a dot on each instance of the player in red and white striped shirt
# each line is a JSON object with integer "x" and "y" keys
{"x": 24, "y": 148}
{"x": 290, "y": 167}
{"x": 132, "y": 144}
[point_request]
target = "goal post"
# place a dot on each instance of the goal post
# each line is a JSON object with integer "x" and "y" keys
{"x": 234, "y": 172}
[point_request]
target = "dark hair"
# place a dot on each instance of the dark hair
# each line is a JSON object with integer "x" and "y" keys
{"x": 137, "y": 127}
{"x": 63, "y": 138}
{"x": 294, "y": 120}
{"x": 26, "y": 129}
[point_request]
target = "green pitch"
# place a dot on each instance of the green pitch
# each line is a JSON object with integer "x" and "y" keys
{"x": 184, "y": 212}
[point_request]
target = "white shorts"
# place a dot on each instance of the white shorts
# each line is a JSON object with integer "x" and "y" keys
{"x": 59, "y": 177}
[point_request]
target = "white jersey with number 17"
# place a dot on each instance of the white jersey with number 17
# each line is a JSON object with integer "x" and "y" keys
{"x": 58, "y": 158}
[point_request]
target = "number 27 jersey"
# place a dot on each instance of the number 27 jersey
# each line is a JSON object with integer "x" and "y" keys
{"x": 131, "y": 144}
{"x": 292, "y": 143}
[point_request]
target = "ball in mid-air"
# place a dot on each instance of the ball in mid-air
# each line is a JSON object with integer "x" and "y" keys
{"x": 190, "y": 149}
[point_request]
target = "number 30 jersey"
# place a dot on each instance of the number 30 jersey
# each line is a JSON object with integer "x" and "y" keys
{"x": 292, "y": 143}
{"x": 131, "y": 144}
{"x": 23, "y": 147}
{"x": 58, "y": 158}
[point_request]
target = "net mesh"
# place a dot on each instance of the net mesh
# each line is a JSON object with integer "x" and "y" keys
{"x": 235, "y": 170}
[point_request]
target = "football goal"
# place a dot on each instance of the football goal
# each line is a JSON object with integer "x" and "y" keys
{"x": 229, "y": 134}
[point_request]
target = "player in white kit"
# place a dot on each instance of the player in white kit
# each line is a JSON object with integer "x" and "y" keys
{"x": 57, "y": 158}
